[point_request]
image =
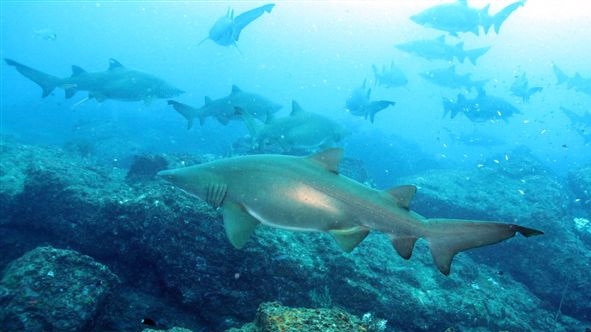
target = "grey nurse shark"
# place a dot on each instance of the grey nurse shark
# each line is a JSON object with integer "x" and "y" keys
{"x": 521, "y": 88}
{"x": 459, "y": 17}
{"x": 577, "y": 82}
{"x": 309, "y": 194}
{"x": 226, "y": 30}
{"x": 226, "y": 108}
{"x": 449, "y": 78}
{"x": 301, "y": 130}
{"x": 389, "y": 77}
{"x": 438, "y": 49}
{"x": 359, "y": 103}
{"x": 117, "y": 82}
{"x": 482, "y": 108}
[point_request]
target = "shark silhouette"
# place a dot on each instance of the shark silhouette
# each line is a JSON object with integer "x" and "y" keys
{"x": 117, "y": 82}
{"x": 226, "y": 30}
{"x": 308, "y": 194}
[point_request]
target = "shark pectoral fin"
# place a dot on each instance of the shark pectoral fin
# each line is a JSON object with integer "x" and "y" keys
{"x": 239, "y": 225}
{"x": 447, "y": 237}
{"x": 403, "y": 245}
{"x": 348, "y": 239}
{"x": 403, "y": 195}
{"x": 329, "y": 158}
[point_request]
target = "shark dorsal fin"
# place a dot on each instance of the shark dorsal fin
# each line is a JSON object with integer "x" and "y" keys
{"x": 76, "y": 70}
{"x": 296, "y": 108}
{"x": 207, "y": 100}
{"x": 235, "y": 89}
{"x": 114, "y": 64}
{"x": 329, "y": 159}
{"x": 403, "y": 195}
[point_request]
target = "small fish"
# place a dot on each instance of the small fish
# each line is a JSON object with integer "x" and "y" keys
{"x": 148, "y": 321}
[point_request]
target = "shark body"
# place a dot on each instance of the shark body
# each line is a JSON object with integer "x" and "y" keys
{"x": 228, "y": 108}
{"x": 117, "y": 82}
{"x": 308, "y": 194}
{"x": 226, "y": 30}
{"x": 449, "y": 78}
{"x": 301, "y": 130}
{"x": 521, "y": 88}
{"x": 482, "y": 108}
{"x": 359, "y": 103}
{"x": 459, "y": 17}
{"x": 389, "y": 77}
{"x": 439, "y": 49}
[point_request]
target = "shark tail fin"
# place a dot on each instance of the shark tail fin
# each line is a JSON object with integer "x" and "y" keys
{"x": 47, "y": 82}
{"x": 497, "y": 20}
{"x": 187, "y": 111}
{"x": 449, "y": 107}
{"x": 476, "y": 53}
{"x": 447, "y": 237}
{"x": 560, "y": 75}
{"x": 375, "y": 106}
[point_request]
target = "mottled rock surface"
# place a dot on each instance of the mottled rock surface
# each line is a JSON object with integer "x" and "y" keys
{"x": 171, "y": 247}
{"x": 50, "y": 289}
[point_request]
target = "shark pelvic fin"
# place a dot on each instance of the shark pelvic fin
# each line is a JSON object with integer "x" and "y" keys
{"x": 329, "y": 159}
{"x": 238, "y": 224}
{"x": 348, "y": 239}
{"x": 403, "y": 195}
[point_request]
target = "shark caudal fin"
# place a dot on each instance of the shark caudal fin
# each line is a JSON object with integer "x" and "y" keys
{"x": 47, "y": 82}
{"x": 476, "y": 53}
{"x": 447, "y": 237}
{"x": 497, "y": 20}
{"x": 185, "y": 110}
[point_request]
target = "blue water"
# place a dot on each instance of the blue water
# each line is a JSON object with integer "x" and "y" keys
{"x": 314, "y": 52}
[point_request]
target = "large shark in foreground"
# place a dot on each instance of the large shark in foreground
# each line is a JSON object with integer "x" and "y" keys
{"x": 117, "y": 82}
{"x": 226, "y": 30}
{"x": 226, "y": 108}
{"x": 308, "y": 194}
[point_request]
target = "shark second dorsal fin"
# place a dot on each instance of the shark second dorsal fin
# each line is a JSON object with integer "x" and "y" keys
{"x": 76, "y": 70}
{"x": 238, "y": 224}
{"x": 207, "y": 100}
{"x": 114, "y": 64}
{"x": 329, "y": 159}
{"x": 403, "y": 195}
{"x": 295, "y": 108}
{"x": 235, "y": 89}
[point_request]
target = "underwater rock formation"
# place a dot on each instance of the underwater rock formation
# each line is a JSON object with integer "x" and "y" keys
{"x": 579, "y": 181}
{"x": 273, "y": 317}
{"x": 50, "y": 289}
{"x": 172, "y": 247}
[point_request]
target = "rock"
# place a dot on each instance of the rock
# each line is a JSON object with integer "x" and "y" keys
{"x": 145, "y": 167}
{"x": 165, "y": 242}
{"x": 579, "y": 181}
{"x": 273, "y": 317}
{"x": 53, "y": 289}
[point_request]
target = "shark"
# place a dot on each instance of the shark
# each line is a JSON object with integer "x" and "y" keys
{"x": 521, "y": 88}
{"x": 449, "y": 78}
{"x": 117, "y": 82}
{"x": 226, "y": 108}
{"x": 308, "y": 194}
{"x": 389, "y": 77}
{"x": 359, "y": 103}
{"x": 580, "y": 123}
{"x": 439, "y": 49}
{"x": 577, "y": 82}
{"x": 459, "y": 17}
{"x": 226, "y": 30}
{"x": 482, "y": 108}
{"x": 301, "y": 130}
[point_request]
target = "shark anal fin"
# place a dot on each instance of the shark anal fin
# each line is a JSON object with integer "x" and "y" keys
{"x": 403, "y": 245}
{"x": 403, "y": 195}
{"x": 348, "y": 239}
{"x": 238, "y": 224}
{"x": 329, "y": 158}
